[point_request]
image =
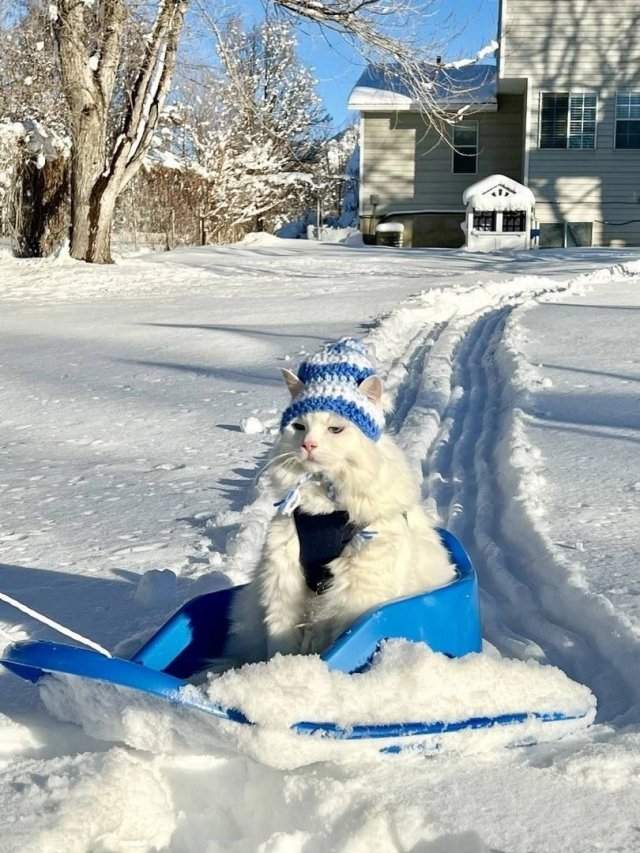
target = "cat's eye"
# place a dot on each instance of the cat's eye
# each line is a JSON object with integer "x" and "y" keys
{"x": 298, "y": 426}
{"x": 336, "y": 429}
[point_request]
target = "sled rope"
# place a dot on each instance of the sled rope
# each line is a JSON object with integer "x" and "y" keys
{"x": 61, "y": 629}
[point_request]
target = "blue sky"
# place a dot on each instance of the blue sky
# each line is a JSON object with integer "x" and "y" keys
{"x": 337, "y": 66}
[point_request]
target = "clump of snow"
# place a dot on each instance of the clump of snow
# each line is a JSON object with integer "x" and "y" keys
{"x": 390, "y": 227}
{"x": 108, "y": 801}
{"x": 610, "y": 766}
{"x": 15, "y": 737}
{"x": 255, "y": 239}
{"x": 407, "y": 682}
{"x": 252, "y": 425}
{"x": 62, "y": 252}
{"x": 346, "y": 236}
{"x": 41, "y": 143}
{"x": 10, "y": 634}
{"x": 353, "y": 239}
{"x": 156, "y": 587}
{"x": 497, "y": 192}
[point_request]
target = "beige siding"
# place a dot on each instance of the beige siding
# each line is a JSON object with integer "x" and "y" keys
{"x": 409, "y": 168}
{"x": 572, "y": 43}
{"x": 581, "y": 45}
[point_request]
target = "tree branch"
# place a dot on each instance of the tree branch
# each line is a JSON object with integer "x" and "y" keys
{"x": 110, "y": 47}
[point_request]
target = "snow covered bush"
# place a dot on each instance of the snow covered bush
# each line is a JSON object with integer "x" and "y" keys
{"x": 33, "y": 187}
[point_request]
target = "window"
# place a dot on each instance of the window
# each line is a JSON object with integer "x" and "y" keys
{"x": 465, "y": 149}
{"x": 553, "y": 121}
{"x": 559, "y": 235}
{"x": 628, "y": 120}
{"x": 579, "y": 234}
{"x": 568, "y": 120}
{"x": 514, "y": 220}
{"x": 484, "y": 220}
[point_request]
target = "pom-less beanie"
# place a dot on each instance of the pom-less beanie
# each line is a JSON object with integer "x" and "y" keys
{"x": 331, "y": 378}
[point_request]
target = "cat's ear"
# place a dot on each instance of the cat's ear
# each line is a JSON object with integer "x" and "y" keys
{"x": 294, "y": 384}
{"x": 371, "y": 387}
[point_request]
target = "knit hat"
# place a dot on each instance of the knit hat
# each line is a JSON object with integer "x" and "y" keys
{"x": 331, "y": 380}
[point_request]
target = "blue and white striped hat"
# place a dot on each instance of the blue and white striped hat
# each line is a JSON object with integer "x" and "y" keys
{"x": 331, "y": 378}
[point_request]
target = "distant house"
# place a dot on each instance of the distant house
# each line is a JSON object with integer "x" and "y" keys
{"x": 560, "y": 113}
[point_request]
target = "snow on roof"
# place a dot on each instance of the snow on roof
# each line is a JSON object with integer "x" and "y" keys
{"x": 497, "y": 192}
{"x": 379, "y": 88}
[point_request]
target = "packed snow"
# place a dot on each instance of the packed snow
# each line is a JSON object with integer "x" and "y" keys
{"x": 128, "y": 486}
{"x": 497, "y": 192}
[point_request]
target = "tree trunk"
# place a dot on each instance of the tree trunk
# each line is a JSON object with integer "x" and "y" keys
{"x": 98, "y": 175}
{"x": 86, "y": 165}
{"x": 103, "y": 203}
{"x": 38, "y": 205}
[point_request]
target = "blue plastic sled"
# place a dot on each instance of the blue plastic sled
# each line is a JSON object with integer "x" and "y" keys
{"x": 446, "y": 619}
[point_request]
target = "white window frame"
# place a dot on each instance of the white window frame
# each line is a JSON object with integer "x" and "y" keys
{"x": 465, "y": 124}
{"x": 615, "y": 122}
{"x": 570, "y": 93}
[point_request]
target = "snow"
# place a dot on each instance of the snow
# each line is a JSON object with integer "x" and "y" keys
{"x": 390, "y": 227}
{"x": 498, "y": 192}
{"x": 417, "y": 685}
{"x": 122, "y": 394}
{"x": 380, "y": 88}
{"x": 487, "y": 50}
{"x": 157, "y": 587}
{"x": 15, "y": 737}
{"x": 42, "y": 144}
{"x": 251, "y": 425}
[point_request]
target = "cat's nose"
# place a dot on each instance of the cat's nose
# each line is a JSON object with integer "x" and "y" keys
{"x": 309, "y": 444}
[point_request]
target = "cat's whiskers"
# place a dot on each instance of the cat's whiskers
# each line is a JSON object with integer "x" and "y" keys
{"x": 285, "y": 459}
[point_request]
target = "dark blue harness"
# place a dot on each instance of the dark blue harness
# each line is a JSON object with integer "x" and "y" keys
{"x": 322, "y": 538}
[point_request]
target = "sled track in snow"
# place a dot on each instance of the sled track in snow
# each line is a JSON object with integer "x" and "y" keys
{"x": 414, "y": 359}
{"x": 529, "y": 607}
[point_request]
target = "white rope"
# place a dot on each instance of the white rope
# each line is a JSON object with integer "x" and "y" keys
{"x": 55, "y": 625}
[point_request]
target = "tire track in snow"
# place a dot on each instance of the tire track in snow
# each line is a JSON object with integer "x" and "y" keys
{"x": 529, "y": 606}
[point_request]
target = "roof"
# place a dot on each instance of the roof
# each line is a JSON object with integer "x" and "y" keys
{"x": 379, "y": 88}
{"x": 497, "y": 192}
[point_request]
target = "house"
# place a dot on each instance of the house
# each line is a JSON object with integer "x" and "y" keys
{"x": 559, "y": 113}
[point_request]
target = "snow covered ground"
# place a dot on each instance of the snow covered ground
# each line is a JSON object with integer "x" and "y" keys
{"x": 136, "y": 405}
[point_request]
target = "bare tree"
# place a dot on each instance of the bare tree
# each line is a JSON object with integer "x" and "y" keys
{"x": 388, "y": 35}
{"x": 90, "y": 45}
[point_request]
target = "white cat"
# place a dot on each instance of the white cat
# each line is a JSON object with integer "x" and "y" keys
{"x": 358, "y": 486}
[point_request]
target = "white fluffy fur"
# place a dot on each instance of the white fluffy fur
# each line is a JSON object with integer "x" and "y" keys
{"x": 371, "y": 481}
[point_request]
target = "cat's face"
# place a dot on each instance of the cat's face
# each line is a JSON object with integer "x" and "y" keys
{"x": 323, "y": 442}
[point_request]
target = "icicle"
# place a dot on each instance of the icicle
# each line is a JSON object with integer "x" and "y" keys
{"x": 55, "y": 625}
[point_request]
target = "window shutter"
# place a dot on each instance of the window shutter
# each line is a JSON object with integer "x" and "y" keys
{"x": 582, "y": 121}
